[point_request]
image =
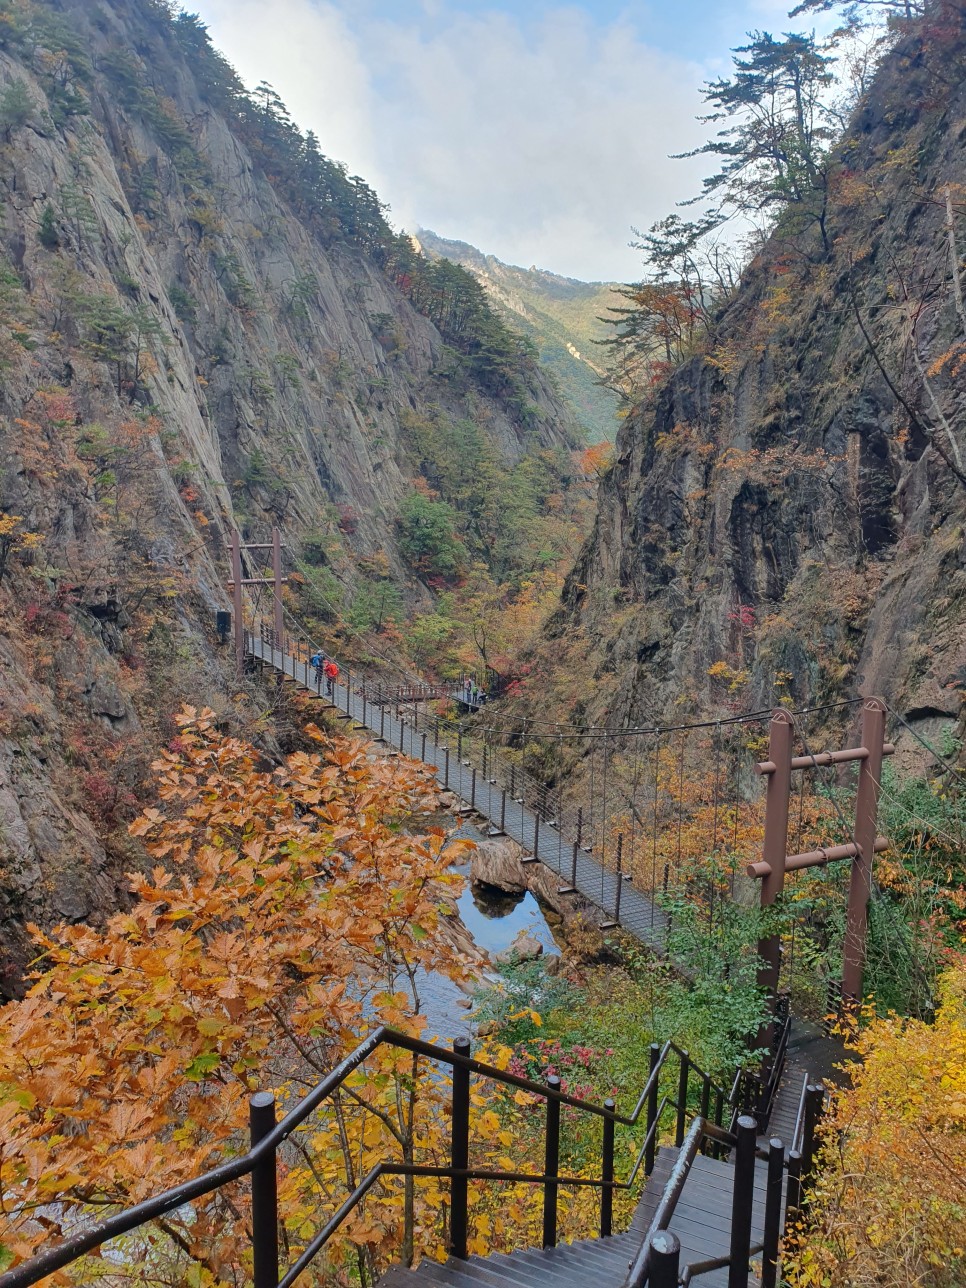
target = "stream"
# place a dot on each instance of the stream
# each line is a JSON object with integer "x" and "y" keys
{"x": 494, "y": 919}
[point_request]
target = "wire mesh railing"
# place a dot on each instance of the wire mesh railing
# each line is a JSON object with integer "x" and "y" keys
{"x": 638, "y": 819}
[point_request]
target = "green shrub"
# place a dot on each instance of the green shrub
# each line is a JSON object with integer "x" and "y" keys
{"x": 427, "y": 537}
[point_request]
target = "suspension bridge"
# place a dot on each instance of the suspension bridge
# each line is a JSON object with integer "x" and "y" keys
{"x": 493, "y": 788}
{"x": 724, "y": 1170}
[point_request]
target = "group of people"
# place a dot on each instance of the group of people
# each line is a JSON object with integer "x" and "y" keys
{"x": 327, "y": 669}
{"x": 474, "y": 695}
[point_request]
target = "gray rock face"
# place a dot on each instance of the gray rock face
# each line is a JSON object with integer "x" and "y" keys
{"x": 497, "y": 862}
{"x": 525, "y": 948}
{"x": 776, "y": 507}
{"x": 277, "y": 376}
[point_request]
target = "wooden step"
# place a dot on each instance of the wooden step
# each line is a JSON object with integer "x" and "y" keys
{"x": 590, "y": 1263}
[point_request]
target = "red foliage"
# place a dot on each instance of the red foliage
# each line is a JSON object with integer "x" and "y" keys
{"x": 41, "y": 619}
{"x": 348, "y": 518}
{"x": 104, "y": 797}
{"x": 744, "y": 615}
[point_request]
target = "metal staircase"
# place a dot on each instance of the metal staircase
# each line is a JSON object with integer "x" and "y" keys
{"x": 713, "y": 1203}
{"x": 716, "y": 1199}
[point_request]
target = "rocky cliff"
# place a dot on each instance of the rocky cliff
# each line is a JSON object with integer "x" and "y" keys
{"x": 784, "y": 518}
{"x": 205, "y": 323}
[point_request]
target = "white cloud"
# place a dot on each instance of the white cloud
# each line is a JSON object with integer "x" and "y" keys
{"x": 309, "y": 53}
{"x": 540, "y": 144}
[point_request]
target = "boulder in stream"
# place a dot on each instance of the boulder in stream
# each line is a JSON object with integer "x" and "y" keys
{"x": 525, "y": 948}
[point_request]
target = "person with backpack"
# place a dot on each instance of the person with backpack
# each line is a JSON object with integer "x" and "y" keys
{"x": 331, "y": 672}
{"x": 317, "y": 661}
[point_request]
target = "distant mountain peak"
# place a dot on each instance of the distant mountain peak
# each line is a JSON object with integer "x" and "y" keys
{"x": 560, "y": 314}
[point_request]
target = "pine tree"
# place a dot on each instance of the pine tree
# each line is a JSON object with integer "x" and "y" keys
{"x": 47, "y": 233}
{"x": 16, "y": 108}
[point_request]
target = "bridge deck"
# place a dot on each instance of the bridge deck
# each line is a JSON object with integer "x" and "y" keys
{"x": 638, "y": 915}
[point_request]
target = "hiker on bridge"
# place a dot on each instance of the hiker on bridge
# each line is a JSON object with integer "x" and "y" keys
{"x": 317, "y": 661}
{"x": 331, "y": 672}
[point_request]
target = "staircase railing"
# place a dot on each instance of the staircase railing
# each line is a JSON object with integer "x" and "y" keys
{"x": 648, "y": 1268}
{"x": 657, "y": 1263}
{"x": 267, "y": 1135}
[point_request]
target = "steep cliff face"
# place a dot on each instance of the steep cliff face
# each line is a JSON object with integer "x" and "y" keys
{"x": 785, "y": 516}
{"x": 184, "y": 348}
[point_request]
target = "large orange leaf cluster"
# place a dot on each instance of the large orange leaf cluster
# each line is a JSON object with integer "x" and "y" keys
{"x": 890, "y": 1202}
{"x": 289, "y": 909}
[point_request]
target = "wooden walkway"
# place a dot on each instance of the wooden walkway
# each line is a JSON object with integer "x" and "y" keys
{"x": 636, "y": 913}
{"x": 701, "y": 1220}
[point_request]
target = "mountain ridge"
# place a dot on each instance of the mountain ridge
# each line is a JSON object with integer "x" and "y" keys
{"x": 560, "y": 314}
{"x": 204, "y": 325}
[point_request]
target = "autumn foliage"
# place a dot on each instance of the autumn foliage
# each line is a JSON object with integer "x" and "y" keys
{"x": 288, "y": 910}
{"x": 888, "y": 1207}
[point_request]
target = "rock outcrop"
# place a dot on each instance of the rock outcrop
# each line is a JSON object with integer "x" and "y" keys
{"x": 785, "y": 515}
{"x": 185, "y": 348}
{"x": 498, "y": 862}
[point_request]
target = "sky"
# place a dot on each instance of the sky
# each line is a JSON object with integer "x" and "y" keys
{"x": 541, "y": 132}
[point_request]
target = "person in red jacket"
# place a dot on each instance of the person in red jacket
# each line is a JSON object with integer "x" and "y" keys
{"x": 331, "y": 672}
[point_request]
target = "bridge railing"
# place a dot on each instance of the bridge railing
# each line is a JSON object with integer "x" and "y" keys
{"x": 267, "y": 1136}
{"x": 677, "y": 813}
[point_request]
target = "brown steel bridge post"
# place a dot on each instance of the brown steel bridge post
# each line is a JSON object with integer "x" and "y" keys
{"x": 277, "y": 581}
{"x": 866, "y": 814}
{"x": 236, "y": 576}
{"x": 773, "y": 852}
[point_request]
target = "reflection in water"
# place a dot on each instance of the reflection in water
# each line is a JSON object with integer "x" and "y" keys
{"x": 494, "y": 917}
{"x": 493, "y": 903}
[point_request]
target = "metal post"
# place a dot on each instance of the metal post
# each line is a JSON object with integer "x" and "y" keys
{"x": 774, "y": 851}
{"x": 814, "y": 1096}
{"x": 503, "y": 810}
{"x": 459, "y": 745}
{"x": 236, "y": 594}
{"x": 551, "y": 1165}
{"x": 459, "y": 1153}
{"x": 860, "y": 884}
{"x": 607, "y": 1174}
{"x": 513, "y": 781}
{"x": 683, "y": 1075}
{"x": 652, "y": 1111}
{"x": 572, "y": 888}
{"x": 473, "y": 788}
{"x": 365, "y": 703}
{"x": 446, "y": 770}
{"x": 665, "y": 1260}
{"x": 422, "y": 754}
{"x": 261, "y": 1120}
{"x": 705, "y": 1109}
{"x": 793, "y": 1197}
{"x": 382, "y": 724}
{"x": 580, "y": 824}
{"x": 741, "y": 1202}
{"x": 620, "y": 877}
{"x": 773, "y": 1213}
{"x": 402, "y": 735}
{"x": 536, "y": 832}
{"x": 277, "y": 579}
